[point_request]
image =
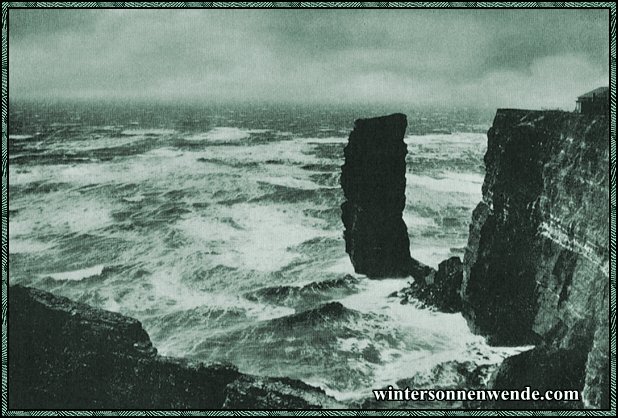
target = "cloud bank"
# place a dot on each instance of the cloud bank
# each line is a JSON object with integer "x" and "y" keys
{"x": 486, "y": 58}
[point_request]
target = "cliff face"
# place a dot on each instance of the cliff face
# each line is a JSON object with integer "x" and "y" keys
{"x": 67, "y": 355}
{"x": 537, "y": 263}
{"x": 373, "y": 181}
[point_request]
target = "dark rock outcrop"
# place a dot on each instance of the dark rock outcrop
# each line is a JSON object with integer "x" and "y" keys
{"x": 373, "y": 179}
{"x": 269, "y": 393}
{"x": 554, "y": 369}
{"x": 439, "y": 289}
{"x": 420, "y": 271}
{"x": 451, "y": 375}
{"x": 537, "y": 262}
{"x": 67, "y": 355}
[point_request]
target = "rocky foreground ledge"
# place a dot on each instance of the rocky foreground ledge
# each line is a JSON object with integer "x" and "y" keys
{"x": 68, "y": 355}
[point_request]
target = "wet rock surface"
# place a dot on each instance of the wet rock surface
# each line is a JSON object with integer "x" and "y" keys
{"x": 438, "y": 289}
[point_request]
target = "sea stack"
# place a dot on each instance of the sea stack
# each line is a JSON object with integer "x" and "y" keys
{"x": 373, "y": 179}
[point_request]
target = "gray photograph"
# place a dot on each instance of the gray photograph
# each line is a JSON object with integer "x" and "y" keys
{"x": 293, "y": 209}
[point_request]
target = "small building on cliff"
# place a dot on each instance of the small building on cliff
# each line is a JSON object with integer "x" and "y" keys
{"x": 594, "y": 102}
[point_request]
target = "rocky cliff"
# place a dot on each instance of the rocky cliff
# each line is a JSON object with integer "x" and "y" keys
{"x": 373, "y": 181}
{"x": 67, "y": 355}
{"x": 536, "y": 268}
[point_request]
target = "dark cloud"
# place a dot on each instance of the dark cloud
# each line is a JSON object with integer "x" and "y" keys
{"x": 540, "y": 58}
{"x": 525, "y": 36}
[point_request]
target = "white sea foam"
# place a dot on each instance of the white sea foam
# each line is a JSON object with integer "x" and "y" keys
{"x": 27, "y": 246}
{"x": 134, "y": 199}
{"x": 148, "y": 167}
{"x": 289, "y": 182}
{"x": 61, "y": 215}
{"x": 76, "y": 275}
{"x": 261, "y": 240}
{"x": 164, "y": 152}
{"x": 430, "y": 255}
{"x": 414, "y": 221}
{"x": 475, "y": 178}
{"x": 343, "y": 266}
{"x": 21, "y": 227}
{"x": 287, "y": 152}
{"x": 82, "y": 216}
{"x": 224, "y": 134}
{"x": 448, "y": 183}
{"x": 170, "y": 294}
{"x": 447, "y": 335}
{"x": 106, "y": 128}
{"x": 463, "y": 138}
{"x": 144, "y": 132}
{"x": 18, "y": 137}
{"x": 96, "y": 143}
{"x": 328, "y": 140}
{"x": 208, "y": 229}
{"x": 168, "y": 286}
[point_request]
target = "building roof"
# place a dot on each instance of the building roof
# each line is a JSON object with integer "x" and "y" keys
{"x": 598, "y": 92}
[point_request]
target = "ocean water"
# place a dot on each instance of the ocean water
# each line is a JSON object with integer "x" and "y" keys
{"x": 219, "y": 228}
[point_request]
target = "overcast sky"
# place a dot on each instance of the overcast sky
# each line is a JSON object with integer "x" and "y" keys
{"x": 494, "y": 58}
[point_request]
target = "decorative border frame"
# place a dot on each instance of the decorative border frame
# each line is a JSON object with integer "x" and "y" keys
{"x": 437, "y": 412}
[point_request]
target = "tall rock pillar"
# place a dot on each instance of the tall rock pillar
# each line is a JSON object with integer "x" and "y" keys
{"x": 373, "y": 179}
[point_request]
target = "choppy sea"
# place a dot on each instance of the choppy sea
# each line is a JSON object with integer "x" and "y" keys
{"x": 218, "y": 227}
